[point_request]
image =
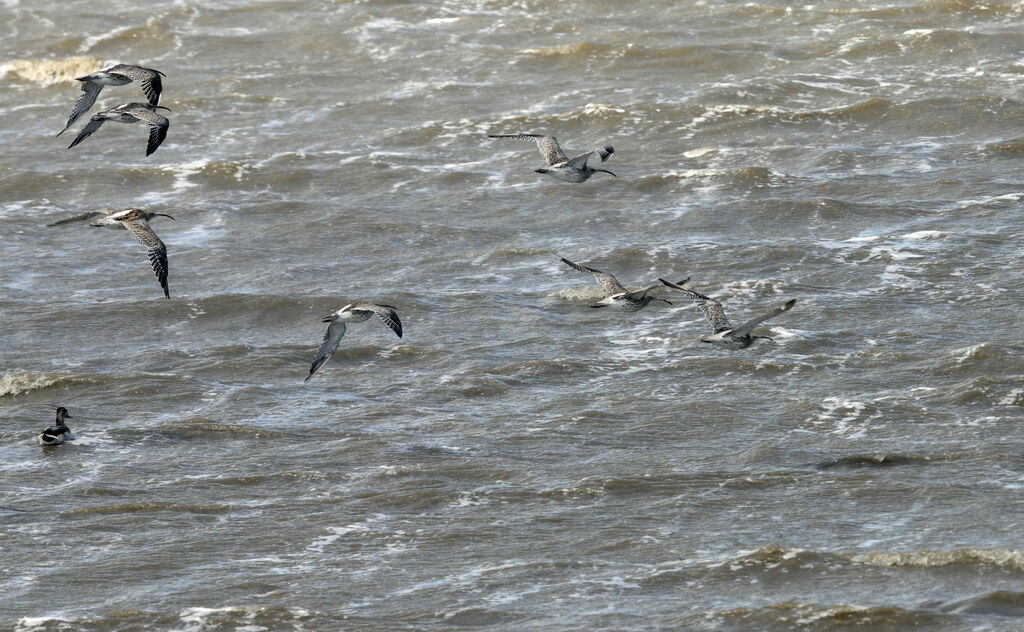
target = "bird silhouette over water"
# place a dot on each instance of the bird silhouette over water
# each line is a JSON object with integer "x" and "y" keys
{"x": 58, "y": 433}
{"x": 725, "y": 335}
{"x": 355, "y": 313}
{"x": 615, "y": 294}
{"x": 576, "y": 169}
{"x": 130, "y": 113}
{"x": 118, "y": 75}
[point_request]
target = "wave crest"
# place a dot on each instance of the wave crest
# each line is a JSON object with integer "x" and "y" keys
{"x": 16, "y": 382}
{"x": 1004, "y": 558}
{"x": 47, "y": 72}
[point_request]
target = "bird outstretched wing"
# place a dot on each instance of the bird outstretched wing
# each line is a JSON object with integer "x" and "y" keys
{"x": 85, "y": 101}
{"x": 158, "y": 125}
{"x": 94, "y": 124}
{"x": 386, "y": 313}
{"x": 327, "y": 348}
{"x": 608, "y": 283}
{"x": 548, "y": 146}
{"x": 77, "y": 218}
{"x": 156, "y": 250}
{"x": 711, "y": 308}
{"x": 748, "y": 326}
{"x": 152, "y": 86}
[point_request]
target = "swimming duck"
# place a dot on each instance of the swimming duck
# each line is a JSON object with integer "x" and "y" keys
{"x": 59, "y": 432}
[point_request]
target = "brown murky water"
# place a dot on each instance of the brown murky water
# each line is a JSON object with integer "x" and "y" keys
{"x": 517, "y": 460}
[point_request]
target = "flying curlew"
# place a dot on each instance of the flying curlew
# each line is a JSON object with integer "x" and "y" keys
{"x": 559, "y": 165}
{"x": 130, "y": 113}
{"x": 136, "y": 221}
{"x": 615, "y": 294}
{"x": 118, "y": 75}
{"x": 725, "y": 335}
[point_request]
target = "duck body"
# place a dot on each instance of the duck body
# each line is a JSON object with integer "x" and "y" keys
{"x": 58, "y": 433}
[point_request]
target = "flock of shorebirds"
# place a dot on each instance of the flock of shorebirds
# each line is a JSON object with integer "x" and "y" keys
{"x": 559, "y": 165}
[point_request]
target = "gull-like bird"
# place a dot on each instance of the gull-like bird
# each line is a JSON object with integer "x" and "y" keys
{"x": 118, "y": 75}
{"x": 136, "y": 221}
{"x": 615, "y": 294}
{"x": 58, "y": 433}
{"x": 559, "y": 165}
{"x": 130, "y": 113}
{"x": 725, "y": 335}
{"x": 355, "y": 313}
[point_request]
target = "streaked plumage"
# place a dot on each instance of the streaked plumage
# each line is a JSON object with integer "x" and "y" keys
{"x": 725, "y": 335}
{"x": 559, "y": 165}
{"x": 617, "y": 295}
{"x": 356, "y": 313}
{"x": 136, "y": 221}
{"x": 118, "y": 75}
{"x": 130, "y": 113}
{"x": 58, "y": 433}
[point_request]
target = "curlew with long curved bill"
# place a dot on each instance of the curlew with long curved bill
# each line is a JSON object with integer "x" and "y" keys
{"x": 130, "y": 113}
{"x": 725, "y": 335}
{"x": 615, "y": 294}
{"x": 118, "y": 75}
{"x": 576, "y": 169}
{"x": 136, "y": 221}
{"x": 354, "y": 313}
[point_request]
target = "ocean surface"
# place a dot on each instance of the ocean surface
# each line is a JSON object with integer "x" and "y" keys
{"x": 518, "y": 460}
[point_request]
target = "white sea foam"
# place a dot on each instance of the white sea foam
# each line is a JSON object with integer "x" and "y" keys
{"x": 1006, "y": 197}
{"x": 965, "y": 354}
{"x": 926, "y": 234}
{"x": 197, "y": 617}
{"x": 47, "y": 72}
{"x": 92, "y": 40}
{"x": 716, "y": 112}
{"x": 464, "y": 579}
{"x": 1013, "y": 398}
{"x": 17, "y": 382}
{"x": 27, "y": 624}
{"x": 698, "y": 152}
{"x": 336, "y": 533}
{"x": 841, "y": 414}
{"x": 183, "y": 171}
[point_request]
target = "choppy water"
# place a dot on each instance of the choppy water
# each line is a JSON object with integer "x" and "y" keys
{"x": 517, "y": 460}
